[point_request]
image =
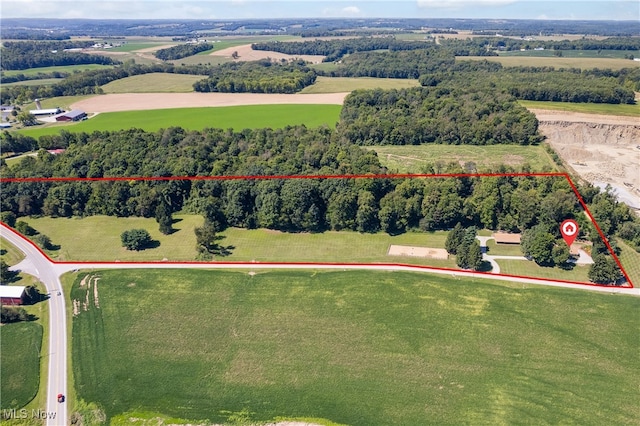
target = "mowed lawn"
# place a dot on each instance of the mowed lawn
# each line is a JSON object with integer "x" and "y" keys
{"x": 234, "y": 117}
{"x": 357, "y": 348}
{"x": 588, "y": 108}
{"x": 20, "y": 347}
{"x": 153, "y": 83}
{"x": 348, "y": 84}
{"x": 414, "y": 158}
{"x": 630, "y": 260}
{"x": 556, "y": 62}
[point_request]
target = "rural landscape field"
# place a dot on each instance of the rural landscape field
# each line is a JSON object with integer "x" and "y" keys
{"x": 304, "y": 222}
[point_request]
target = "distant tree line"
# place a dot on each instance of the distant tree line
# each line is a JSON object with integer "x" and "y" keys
{"x": 334, "y": 50}
{"x": 182, "y": 51}
{"x": 20, "y": 55}
{"x": 262, "y": 76}
{"x": 433, "y": 115}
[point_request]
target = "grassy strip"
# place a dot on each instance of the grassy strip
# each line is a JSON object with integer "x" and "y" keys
{"x": 20, "y": 363}
{"x": 153, "y": 83}
{"x": 9, "y": 252}
{"x": 602, "y": 54}
{"x": 63, "y": 102}
{"x": 413, "y": 158}
{"x": 528, "y": 268}
{"x": 40, "y": 82}
{"x": 607, "y": 109}
{"x": 630, "y": 260}
{"x": 235, "y": 117}
{"x": 556, "y": 62}
{"x": 348, "y": 84}
{"x": 62, "y": 68}
{"x": 358, "y": 348}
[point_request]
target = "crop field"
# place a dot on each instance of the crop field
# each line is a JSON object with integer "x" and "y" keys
{"x": 153, "y": 83}
{"x": 63, "y": 102}
{"x": 234, "y": 117}
{"x": 530, "y": 61}
{"x": 616, "y": 54}
{"x": 62, "y": 68}
{"x": 413, "y": 158}
{"x": 630, "y": 260}
{"x": 39, "y": 82}
{"x": 348, "y": 84}
{"x": 19, "y": 363}
{"x": 357, "y": 348}
{"x": 589, "y": 108}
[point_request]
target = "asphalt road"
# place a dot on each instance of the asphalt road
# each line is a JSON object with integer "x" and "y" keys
{"x": 38, "y": 265}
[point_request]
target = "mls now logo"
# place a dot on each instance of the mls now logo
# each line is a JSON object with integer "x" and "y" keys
{"x": 28, "y": 414}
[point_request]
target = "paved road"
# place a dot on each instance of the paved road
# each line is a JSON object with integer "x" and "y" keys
{"x": 36, "y": 264}
{"x": 48, "y": 272}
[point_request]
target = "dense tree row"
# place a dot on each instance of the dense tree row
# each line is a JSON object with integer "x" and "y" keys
{"x": 258, "y": 77}
{"x": 182, "y": 51}
{"x": 20, "y": 55}
{"x": 89, "y": 82}
{"x": 433, "y": 115}
{"x": 333, "y": 50}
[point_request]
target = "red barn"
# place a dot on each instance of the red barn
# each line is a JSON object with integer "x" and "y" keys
{"x": 74, "y": 115}
{"x": 12, "y": 294}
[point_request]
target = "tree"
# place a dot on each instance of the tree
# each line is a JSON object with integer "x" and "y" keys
{"x": 33, "y": 295}
{"x": 163, "y": 217}
{"x": 6, "y": 276}
{"x": 560, "y": 254}
{"x": 43, "y": 241}
{"x": 469, "y": 255}
{"x": 8, "y": 218}
{"x": 136, "y": 239}
{"x": 538, "y": 244}
{"x": 367, "y": 214}
{"x": 206, "y": 240}
{"x": 26, "y": 118}
{"x": 24, "y": 228}
{"x": 14, "y": 314}
{"x": 604, "y": 270}
{"x": 454, "y": 239}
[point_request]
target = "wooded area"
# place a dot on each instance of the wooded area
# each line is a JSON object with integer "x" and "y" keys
{"x": 21, "y": 55}
{"x": 182, "y": 51}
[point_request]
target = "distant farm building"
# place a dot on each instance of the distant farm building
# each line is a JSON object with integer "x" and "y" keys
{"x": 506, "y": 238}
{"x": 73, "y": 115}
{"x": 12, "y": 294}
{"x": 48, "y": 111}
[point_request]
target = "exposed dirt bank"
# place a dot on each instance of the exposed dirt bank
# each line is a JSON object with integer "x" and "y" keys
{"x": 601, "y": 149}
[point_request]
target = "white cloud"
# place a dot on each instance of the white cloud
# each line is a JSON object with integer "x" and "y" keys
{"x": 351, "y": 10}
{"x": 455, "y": 4}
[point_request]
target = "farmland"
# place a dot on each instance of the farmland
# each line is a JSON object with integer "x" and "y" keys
{"x": 235, "y": 117}
{"x": 413, "y": 158}
{"x": 348, "y": 84}
{"x": 357, "y": 348}
{"x": 20, "y": 363}
{"x": 65, "y": 68}
{"x": 612, "y": 54}
{"x": 588, "y": 108}
{"x": 532, "y": 61}
{"x": 154, "y": 82}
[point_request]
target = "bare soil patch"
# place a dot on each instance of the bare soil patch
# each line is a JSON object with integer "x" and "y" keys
{"x": 148, "y": 101}
{"x": 602, "y": 149}
{"x": 426, "y": 252}
{"x": 246, "y": 53}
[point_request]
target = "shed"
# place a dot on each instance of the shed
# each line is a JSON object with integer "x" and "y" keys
{"x": 506, "y": 238}
{"x": 73, "y": 115}
{"x": 12, "y": 294}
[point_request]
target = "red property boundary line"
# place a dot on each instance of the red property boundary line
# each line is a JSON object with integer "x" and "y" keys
{"x": 344, "y": 176}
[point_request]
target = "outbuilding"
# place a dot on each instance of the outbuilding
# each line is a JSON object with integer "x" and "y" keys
{"x": 73, "y": 115}
{"x": 48, "y": 111}
{"x": 506, "y": 238}
{"x": 12, "y": 294}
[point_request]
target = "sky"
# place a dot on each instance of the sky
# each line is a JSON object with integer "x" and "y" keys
{"x": 264, "y": 9}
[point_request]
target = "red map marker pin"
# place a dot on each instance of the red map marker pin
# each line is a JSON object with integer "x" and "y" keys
{"x": 569, "y": 230}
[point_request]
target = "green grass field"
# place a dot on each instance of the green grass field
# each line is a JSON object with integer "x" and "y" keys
{"x": 19, "y": 363}
{"x": 358, "y": 348}
{"x": 235, "y": 117}
{"x": 413, "y": 158}
{"x": 39, "y": 82}
{"x": 154, "y": 82}
{"x": 63, "y": 102}
{"x": 588, "y": 108}
{"x": 527, "y": 268}
{"x": 530, "y": 61}
{"x": 65, "y": 68}
{"x": 630, "y": 260}
{"x": 348, "y": 84}
{"x": 9, "y": 252}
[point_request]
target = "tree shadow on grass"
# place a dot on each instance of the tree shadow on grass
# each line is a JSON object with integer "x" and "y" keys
{"x": 485, "y": 266}
{"x": 220, "y": 250}
{"x": 151, "y": 245}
